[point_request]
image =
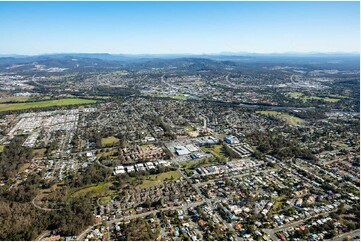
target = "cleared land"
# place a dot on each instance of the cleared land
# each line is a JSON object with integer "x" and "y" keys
{"x": 109, "y": 141}
{"x": 295, "y": 94}
{"x": 39, "y": 152}
{"x": 14, "y": 99}
{"x": 157, "y": 179}
{"x": 99, "y": 190}
{"x": 1, "y": 148}
{"x": 291, "y": 120}
{"x": 45, "y": 104}
{"x": 190, "y": 166}
{"x": 216, "y": 150}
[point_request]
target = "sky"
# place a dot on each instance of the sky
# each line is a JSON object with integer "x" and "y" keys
{"x": 178, "y": 27}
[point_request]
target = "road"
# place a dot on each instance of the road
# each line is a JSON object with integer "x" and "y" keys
{"x": 166, "y": 83}
{"x": 184, "y": 207}
{"x": 45, "y": 209}
{"x": 272, "y": 232}
{"x": 207, "y": 201}
{"x": 42, "y": 235}
{"x": 235, "y": 176}
{"x": 109, "y": 223}
{"x": 353, "y": 234}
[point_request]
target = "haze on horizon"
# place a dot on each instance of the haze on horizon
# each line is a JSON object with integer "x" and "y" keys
{"x": 178, "y": 27}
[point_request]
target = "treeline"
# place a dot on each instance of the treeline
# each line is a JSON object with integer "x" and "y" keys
{"x": 23, "y": 221}
{"x": 137, "y": 229}
{"x": 13, "y": 156}
{"x": 112, "y": 91}
{"x": 93, "y": 174}
{"x": 277, "y": 145}
{"x": 310, "y": 115}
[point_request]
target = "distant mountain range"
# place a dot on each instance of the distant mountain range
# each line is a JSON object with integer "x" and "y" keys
{"x": 107, "y": 56}
{"x": 202, "y": 62}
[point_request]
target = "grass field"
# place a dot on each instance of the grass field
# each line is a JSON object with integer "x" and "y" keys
{"x": 105, "y": 200}
{"x": 278, "y": 203}
{"x": 295, "y": 94}
{"x": 109, "y": 141}
{"x": 179, "y": 97}
{"x": 291, "y": 120}
{"x": 14, "y": 99}
{"x": 157, "y": 179}
{"x": 216, "y": 150}
{"x": 190, "y": 166}
{"x": 332, "y": 98}
{"x": 190, "y": 128}
{"x": 100, "y": 190}
{"x": 1, "y": 148}
{"x": 39, "y": 152}
{"x": 21, "y": 99}
{"x": 337, "y": 96}
{"x": 45, "y": 104}
{"x": 324, "y": 99}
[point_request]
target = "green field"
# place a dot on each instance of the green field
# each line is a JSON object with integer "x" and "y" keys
{"x": 216, "y": 150}
{"x": 157, "y": 179}
{"x": 278, "y": 203}
{"x": 295, "y": 94}
{"x": 105, "y": 200}
{"x": 324, "y": 99}
{"x": 22, "y": 99}
{"x": 337, "y": 96}
{"x": 100, "y": 190}
{"x": 39, "y": 152}
{"x": 109, "y": 141}
{"x": 332, "y": 98}
{"x": 291, "y": 120}
{"x": 14, "y": 99}
{"x": 190, "y": 128}
{"x": 1, "y": 148}
{"x": 179, "y": 97}
{"x": 45, "y": 104}
{"x": 190, "y": 166}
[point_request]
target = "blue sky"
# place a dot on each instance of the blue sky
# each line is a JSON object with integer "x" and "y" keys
{"x": 178, "y": 27}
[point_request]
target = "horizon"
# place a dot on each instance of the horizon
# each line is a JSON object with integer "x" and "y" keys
{"x": 187, "y": 54}
{"x": 179, "y": 28}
